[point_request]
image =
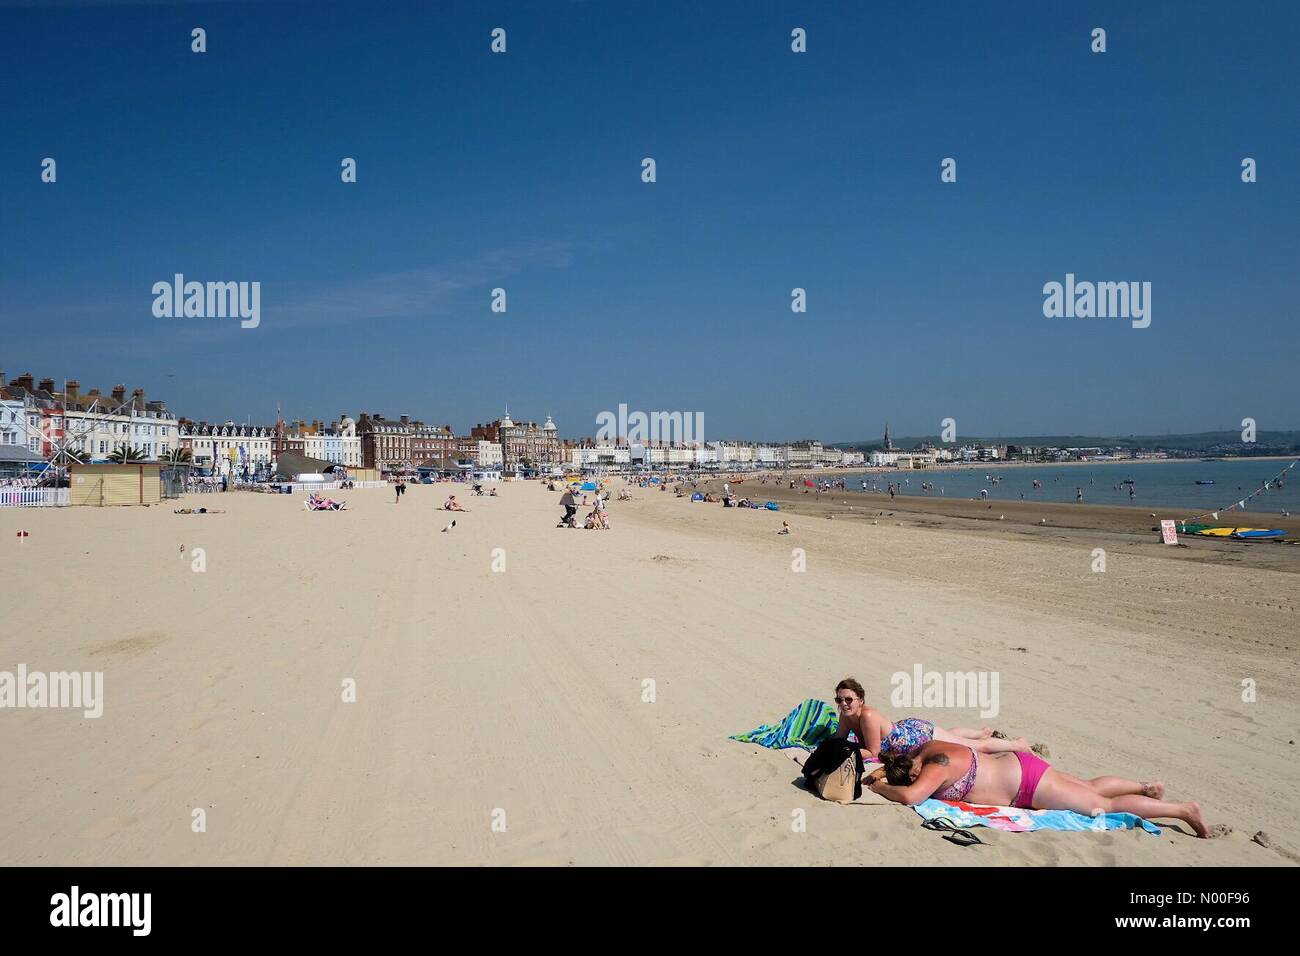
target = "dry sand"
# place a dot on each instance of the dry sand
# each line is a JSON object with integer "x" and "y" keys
{"x": 522, "y": 691}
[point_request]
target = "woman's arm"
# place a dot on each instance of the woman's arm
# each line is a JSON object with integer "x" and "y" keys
{"x": 875, "y": 723}
{"x": 931, "y": 778}
{"x": 842, "y": 729}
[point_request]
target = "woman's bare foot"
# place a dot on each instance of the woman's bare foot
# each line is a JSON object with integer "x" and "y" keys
{"x": 1197, "y": 819}
{"x": 1155, "y": 789}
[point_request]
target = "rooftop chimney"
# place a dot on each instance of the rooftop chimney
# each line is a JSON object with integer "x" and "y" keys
{"x": 70, "y": 389}
{"x": 406, "y": 419}
{"x": 119, "y": 393}
{"x": 47, "y": 385}
{"x": 25, "y": 381}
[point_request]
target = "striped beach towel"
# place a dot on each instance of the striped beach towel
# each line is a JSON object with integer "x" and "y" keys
{"x": 1015, "y": 820}
{"x": 806, "y": 726}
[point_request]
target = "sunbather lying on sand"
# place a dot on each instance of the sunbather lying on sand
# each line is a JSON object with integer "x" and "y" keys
{"x": 948, "y": 771}
{"x": 878, "y": 735}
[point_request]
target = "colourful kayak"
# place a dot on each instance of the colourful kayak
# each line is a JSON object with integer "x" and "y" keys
{"x": 1240, "y": 533}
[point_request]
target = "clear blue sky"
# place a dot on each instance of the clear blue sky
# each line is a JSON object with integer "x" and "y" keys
{"x": 775, "y": 170}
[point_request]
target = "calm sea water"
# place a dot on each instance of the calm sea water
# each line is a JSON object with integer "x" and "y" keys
{"x": 1157, "y": 484}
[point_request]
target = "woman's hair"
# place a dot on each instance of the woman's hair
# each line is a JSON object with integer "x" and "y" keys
{"x": 898, "y": 768}
{"x": 850, "y": 684}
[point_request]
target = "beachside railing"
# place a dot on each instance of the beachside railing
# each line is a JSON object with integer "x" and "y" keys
{"x": 331, "y": 485}
{"x": 35, "y": 497}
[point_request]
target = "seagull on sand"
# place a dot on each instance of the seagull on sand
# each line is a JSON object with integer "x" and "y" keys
{"x": 450, "y": 526}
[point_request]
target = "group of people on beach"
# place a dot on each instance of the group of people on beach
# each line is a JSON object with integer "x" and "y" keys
{"x": 920, "y": 760}
{"x": 597, "y": 519}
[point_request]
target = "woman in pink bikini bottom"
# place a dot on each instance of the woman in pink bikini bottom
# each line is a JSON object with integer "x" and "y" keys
{"x": 948, "y": 771}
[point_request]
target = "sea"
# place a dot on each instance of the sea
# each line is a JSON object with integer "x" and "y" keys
{"x": 1156, "y": 484}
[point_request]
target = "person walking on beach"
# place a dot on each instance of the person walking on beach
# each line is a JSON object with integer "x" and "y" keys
{"x": 570, "y": 509}
{"x": 1078, "y": 495}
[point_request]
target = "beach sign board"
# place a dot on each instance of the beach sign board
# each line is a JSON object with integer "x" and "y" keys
{"x": 1168, "y": 532}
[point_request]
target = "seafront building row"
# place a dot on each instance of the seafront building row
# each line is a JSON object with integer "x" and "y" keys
{"x": 41, "y": 423}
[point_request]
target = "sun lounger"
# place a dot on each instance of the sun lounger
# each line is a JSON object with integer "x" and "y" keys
{"x": 313, "y": 503}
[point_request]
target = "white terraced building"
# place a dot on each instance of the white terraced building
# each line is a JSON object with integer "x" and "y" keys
{"x": 73, "y": 427}
{"x": 228, "y": 448}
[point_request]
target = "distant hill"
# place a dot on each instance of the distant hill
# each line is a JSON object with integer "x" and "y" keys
{"x": 1279, "y": 442}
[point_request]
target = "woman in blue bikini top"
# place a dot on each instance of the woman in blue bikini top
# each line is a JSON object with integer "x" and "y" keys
{"x": 878, "y": 736}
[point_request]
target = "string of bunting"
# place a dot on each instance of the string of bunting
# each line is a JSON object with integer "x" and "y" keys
{"x": 1276, "y": 479}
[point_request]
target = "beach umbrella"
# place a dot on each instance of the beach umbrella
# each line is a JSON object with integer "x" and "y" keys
{"x": 588, "y": 486}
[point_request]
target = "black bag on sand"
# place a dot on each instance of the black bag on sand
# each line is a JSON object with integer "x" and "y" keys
{"x": 834, "y": 770}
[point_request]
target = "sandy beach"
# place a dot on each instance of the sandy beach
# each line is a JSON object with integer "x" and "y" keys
{"x": 517, "y": 696}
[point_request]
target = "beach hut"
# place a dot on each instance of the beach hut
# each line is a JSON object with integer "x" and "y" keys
{"x": 135, "y": 483}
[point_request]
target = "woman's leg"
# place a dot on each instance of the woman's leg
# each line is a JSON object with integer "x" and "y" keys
{"x": 1059, "y": 791}
{"x": 990, "y": 745}
{"x": 982, "y": 734}
{"x": 1119, "y": 786}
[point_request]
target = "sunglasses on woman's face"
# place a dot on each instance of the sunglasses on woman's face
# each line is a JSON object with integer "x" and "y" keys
{"x": 845, "y": 701}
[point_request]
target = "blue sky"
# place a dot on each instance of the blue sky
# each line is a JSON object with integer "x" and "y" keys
{"x": 775, "y": 170}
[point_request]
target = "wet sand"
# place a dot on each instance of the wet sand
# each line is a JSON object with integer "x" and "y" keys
{"x": 1131, "y": 528}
